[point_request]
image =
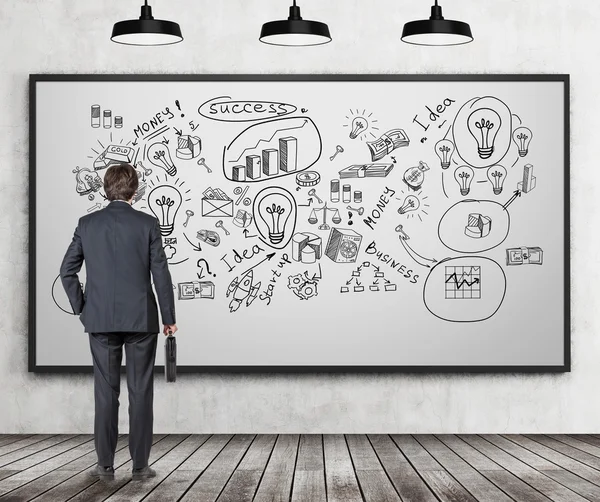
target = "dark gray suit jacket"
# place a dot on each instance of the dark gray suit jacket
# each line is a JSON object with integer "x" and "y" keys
{"x": 120, "y": 246}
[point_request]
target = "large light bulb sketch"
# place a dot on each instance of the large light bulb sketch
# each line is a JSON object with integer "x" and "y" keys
{"x": 359, "y": 125}
{"x": 411, "y": 203}
{"x": 444, "y": 149}
{"x": 522, "y": 137}
{"x": 497, "y": 176}
{"x": 164, "y": 202}
{"x": 275, "y": 216}
{"x": 464, "y": 177}
{"x": 484, "y": 125}
{"x": 159, "y": 155}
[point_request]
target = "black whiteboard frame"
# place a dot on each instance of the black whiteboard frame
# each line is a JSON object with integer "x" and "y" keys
{"x": 564, "y": 78}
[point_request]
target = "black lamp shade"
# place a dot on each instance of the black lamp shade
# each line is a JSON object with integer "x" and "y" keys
{"x": 146, "y": 31}
{"x": 437, "y": 31}
{"x": 295, "y": 31}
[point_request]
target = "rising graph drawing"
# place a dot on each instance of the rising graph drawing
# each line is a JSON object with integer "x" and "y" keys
{"x": 463, "y": 283}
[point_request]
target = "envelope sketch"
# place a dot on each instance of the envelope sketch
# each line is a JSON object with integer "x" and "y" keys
{"x": 217, "y": 208}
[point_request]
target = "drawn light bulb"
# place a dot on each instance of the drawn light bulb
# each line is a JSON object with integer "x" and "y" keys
{"x": 497, "y": 176}
{"x": 444, "y": 150}
{"x": 484, "y": 124}
{"x": 159, "y": 155}
{"x": 164, "y": 201}
{"x": 274, "y": 210}
{"x": 522, "y": 137}
{"x": 359, "y": 125}
{"x": 464, "y": 177}
{"x": 411, "y": 203}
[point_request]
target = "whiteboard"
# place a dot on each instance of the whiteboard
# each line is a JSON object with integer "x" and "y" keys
{"x": 412, "y": 223}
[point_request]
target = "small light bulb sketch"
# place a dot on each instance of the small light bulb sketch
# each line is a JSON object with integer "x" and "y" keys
{"x": 522, "y": 137}
{"x": 361, "y": 124}
{"x": 444, "y": 149}
{"x": 159, "y": 155}
{"x": 414, "y": 204}
{"x": 497, "y": 176}
{"x": 464, "y": 177}
{"x": 411, "y": 203}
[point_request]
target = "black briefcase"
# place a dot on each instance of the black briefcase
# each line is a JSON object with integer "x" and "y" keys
{"x": 170, "y": 359}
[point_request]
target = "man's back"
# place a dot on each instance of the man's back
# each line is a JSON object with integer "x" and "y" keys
{"x": 121, "y": 247}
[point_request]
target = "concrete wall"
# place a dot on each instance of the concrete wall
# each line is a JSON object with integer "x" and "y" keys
{"x": 71, "y": 36}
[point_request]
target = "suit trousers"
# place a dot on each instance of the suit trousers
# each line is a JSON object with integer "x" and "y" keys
{"x": 107, "y": 353}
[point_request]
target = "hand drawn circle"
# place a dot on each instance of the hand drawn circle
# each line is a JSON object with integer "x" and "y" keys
{"x": 272, "y": 149}
{"x": 465, "y": 289}
{"x": 59, "y": 297}
{"x": 482, "y": 131}
{"x": 474, "y": 226}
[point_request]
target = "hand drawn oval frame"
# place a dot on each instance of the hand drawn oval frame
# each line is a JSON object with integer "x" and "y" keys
{"x": 445, "y": 263}
{"x": 228, "y": 175}
{"x": 211, "y": 101}
{"x": 484, "y": 248}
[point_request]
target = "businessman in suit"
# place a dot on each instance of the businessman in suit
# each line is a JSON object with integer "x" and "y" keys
{"x": 121, "y": 248}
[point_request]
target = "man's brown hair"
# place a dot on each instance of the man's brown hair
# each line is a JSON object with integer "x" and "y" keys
{"x": 120, "y": 182}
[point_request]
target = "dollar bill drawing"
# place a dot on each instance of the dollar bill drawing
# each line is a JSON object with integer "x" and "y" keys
{"x": 525, "y": 256}
{"x": 387, "y": 143}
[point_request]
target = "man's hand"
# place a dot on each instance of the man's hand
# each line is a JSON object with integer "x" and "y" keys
{"x": 169, "y": 329}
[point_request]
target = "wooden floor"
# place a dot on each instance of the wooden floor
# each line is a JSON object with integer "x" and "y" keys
{"x": 313, "y": 468}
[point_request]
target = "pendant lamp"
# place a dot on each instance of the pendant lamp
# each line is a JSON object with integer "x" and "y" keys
{"x": 436, "y": 30}
{"x": 295, "y": 31}
{"x": 146, "y": 30}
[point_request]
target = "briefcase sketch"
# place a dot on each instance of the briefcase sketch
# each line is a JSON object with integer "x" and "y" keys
{"x": 170, "y": 359}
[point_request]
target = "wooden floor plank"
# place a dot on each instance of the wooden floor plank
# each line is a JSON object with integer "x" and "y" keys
{"x": 475, "y": 458}
{"x": 276, "y": 483}
{"x": 242, "y": 485}
{"x": 309, "y": 476}
{"x": 405, "y": 479}
{"x": 29, "y": 469}
{"x": 26, "y": 442}
{"x": 474, "y": 482}
{"x": 204, "y": 455}
{"x": 340, "y": 478}
{"x": 564, "y": 461}
{"x": 48, "y": 453}
{"x": 6, "y": 473}
{"x": 211, "y": 482}
{"x": 75, "y": 477}
{"x": 565, "y": 449}
{"x": 445, "y": 487}
{"x": 587, "y": 438}
{"x": 8, "y": 439}
{"x": 594, "y": 451}
{"x": 175, "y": 486}
{"x": 310, "y": 468}
{"x": 553, "y": 471}
{"x": 101, "y": 490}
{"x": 46, "y": 482}
{"x": 133, "y": 492}
{"x": 530, "y": 476}
{"x": 372, "y": 478}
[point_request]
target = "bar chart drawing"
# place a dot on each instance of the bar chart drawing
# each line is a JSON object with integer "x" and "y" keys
{"x": 272, "y": 149}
